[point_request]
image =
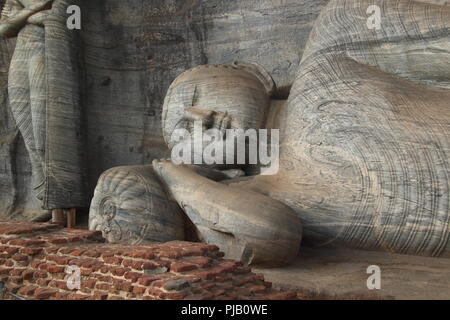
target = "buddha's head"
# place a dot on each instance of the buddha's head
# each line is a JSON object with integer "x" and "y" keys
{"x": 214, "y": 99}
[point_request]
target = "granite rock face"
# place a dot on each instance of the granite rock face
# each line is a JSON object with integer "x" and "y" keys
{"x": 133, "y": 50}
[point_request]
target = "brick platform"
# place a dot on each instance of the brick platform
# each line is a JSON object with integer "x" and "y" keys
{"x": 34, "y": 258}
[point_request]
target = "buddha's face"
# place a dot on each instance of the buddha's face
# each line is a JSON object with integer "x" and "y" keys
{"x": 210, "y": 102}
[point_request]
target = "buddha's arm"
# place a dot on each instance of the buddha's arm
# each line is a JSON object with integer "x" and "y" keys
{"x": 245, "y": 224}
{"x": 10, "y": 26}
{"x": 39, "y": 18}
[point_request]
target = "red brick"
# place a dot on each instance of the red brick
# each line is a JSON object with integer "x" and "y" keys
{"x": 108, "y": 254}
{"x": 11, "y": 250}
{"x": 203, "y": 262}
{"x": 173, "y": 295}
{"x": 162, "y": 263}
{"x": 147, "y": 280}
{"x": 89, "y": 263}
{"x": 218, "y": 292}
{"x": 105, "y": 269}
{"x": 31, "y": 251}
{"x": 16, "y": 272}
{"x": 36, "y": 263}
{"x": 223, "y": 278}
{"x": 43, "y": 266}
{"x": 123, "y": 286}
{"x": 27, "y": 290}
{"x": 77, "y": 252}
{"x": 51, "y": 250}
{"x": 58, "y": 284}
{"x": 120, "y": 271}
{"x": 15, "y": 279}
{"x": 103, "y": 286}
{"x": 44, "y": 293}
{"x": 149, "y": 266}
{"x": 91, "y": 253}
{"x": 140, "y": 255}
{"x": 100, "y": 295}
{"x": 61, "y": 295}
{"x": 103, "y": 278}
{"x": 241, "y": 281}
{"x": 5, "y": 270}
{"x": 77, "y": 296}
{"x": 86, "y": 271}
{"x": 65, "y": 250}
{"x": 127, "y": 262}
{"x": 55, "y": 269}
{"x": 22, "y": 264}
{"x": 242, "y": 270}
{"x": 133, "y": 276}
{"x": 139, "y": 290}
{"x": 40, "y": 274}
{"x": 89, "y": 283}
{"x": 207, "y": 275}
{"x": 137, "y": 265}
{"x": 257, "y": 289}
{"x": 59, "y": 259}
{"x": 208, "y": 285}
{"x": 12, "y": 287}
{"x": 10, "y": 263}
{"x": 182, "y": 267}
{"x": 85, "y": 291}
{"x": 113, "y": 260}
{"x": 154, "y": 292}
{"x": 27, "y": 274}
{"x": 57, "y": 240}
{"x": 26, "y": 242}
{"x": 171, "y": 253}
{"x": 42, "y": 282}
{"x": 20, "y": 257}
{"x": 193, "y": 251}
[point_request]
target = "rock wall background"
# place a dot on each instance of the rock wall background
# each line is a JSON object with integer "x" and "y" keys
{"x": 133, "y": 50}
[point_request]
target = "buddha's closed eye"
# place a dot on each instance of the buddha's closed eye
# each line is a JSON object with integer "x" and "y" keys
{"x": 210, "y": 119}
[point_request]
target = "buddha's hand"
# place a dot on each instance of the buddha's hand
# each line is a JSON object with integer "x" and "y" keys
{"x": 39, "y": 6}
{"x": 10, "y": 26}
{"x": 39, "y": 18}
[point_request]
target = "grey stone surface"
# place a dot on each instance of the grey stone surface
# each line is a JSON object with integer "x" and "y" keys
{"x": 342, "y": 274}
{"x": 364, "y": 141}
{"x": 133, "y": 50}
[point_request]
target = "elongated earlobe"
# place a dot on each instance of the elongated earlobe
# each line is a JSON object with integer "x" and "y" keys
{"x": 259, "y": 72}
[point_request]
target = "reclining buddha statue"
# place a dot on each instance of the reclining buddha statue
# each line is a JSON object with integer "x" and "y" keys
{"x": 363, "y": 151}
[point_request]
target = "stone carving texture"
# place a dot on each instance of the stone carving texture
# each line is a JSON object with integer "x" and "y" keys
{"x": 133, "y": 50}
{"x": 45, "y": 101}
{"x": 366, "y": 135}
{"x": 130, "y": 206}
{"x": 364, "y": 144}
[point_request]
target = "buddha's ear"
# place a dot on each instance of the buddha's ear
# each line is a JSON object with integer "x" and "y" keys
{"x": 259, "y": 72}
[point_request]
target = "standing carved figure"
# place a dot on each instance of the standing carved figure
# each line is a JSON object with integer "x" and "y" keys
{"x": 44, "y": 95}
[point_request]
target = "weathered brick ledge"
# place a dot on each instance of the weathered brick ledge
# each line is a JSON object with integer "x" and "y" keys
{"x": 34, "y": 257}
